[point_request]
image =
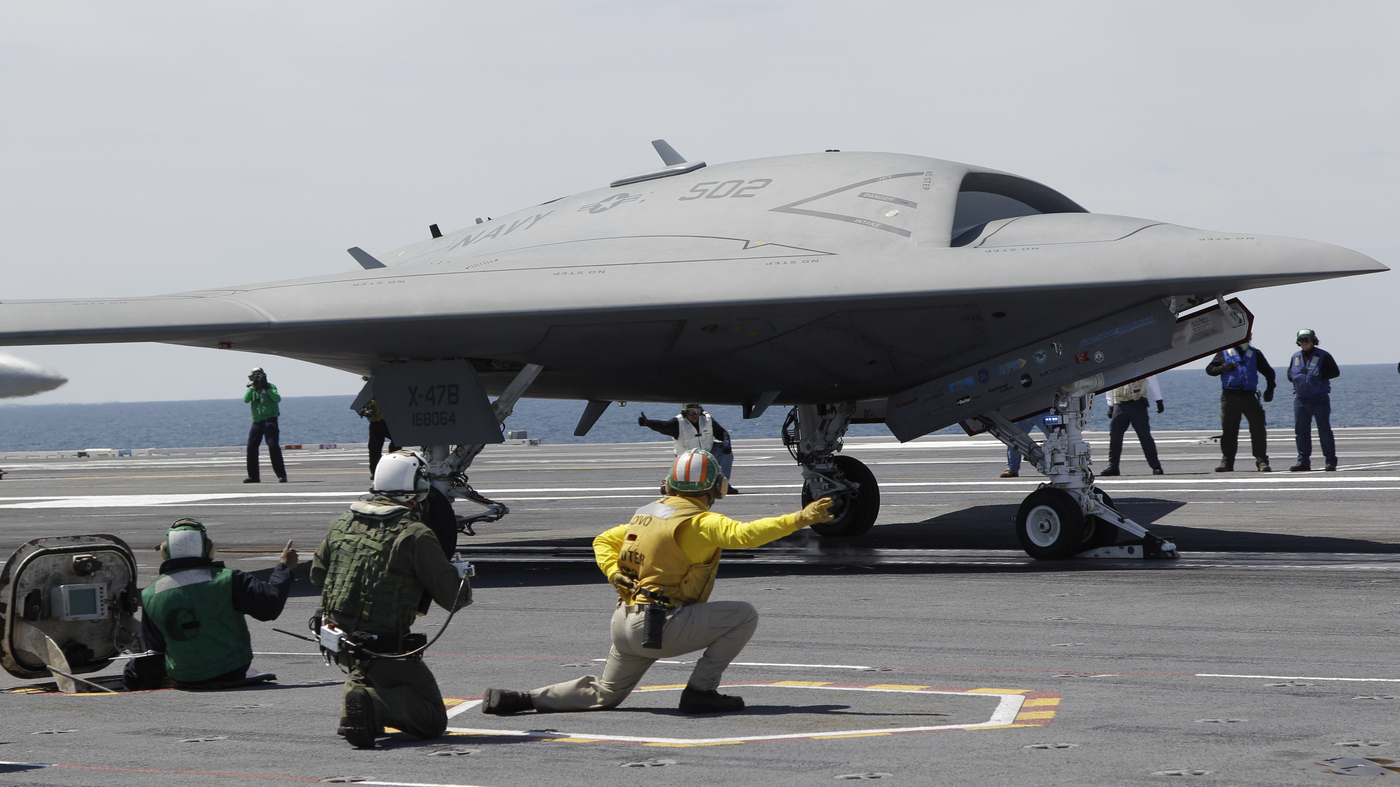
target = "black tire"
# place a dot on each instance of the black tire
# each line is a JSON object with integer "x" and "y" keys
{"x": 854, "y": 515}
{"x": 1099, "y": 532}
{"x": 1050, "y": 524}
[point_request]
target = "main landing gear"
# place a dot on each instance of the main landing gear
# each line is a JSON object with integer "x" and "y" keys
{"x": 447, "y": 465}
{"x": 812, "y": 434}
{"x": 1069, "y": 516}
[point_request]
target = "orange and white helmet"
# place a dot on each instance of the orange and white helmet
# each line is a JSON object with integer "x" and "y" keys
{"x": 697, "y": 470}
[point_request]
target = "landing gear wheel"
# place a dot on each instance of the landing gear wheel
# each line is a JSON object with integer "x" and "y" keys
{"x": 1050, "y": 525}
{"x": 1097, "y": 531}
{"x": 854, "y": 515}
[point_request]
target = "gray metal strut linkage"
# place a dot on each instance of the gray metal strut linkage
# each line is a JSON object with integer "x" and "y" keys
{"x": 447, "y": 465}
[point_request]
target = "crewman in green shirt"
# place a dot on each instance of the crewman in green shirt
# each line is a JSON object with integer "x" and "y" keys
{"x": 263, "y": 396}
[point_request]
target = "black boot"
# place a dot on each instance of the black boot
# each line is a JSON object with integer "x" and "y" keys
{"x": 1110, "y": 470}
{"x": 357, "y": 725}
{"x": 1263, "y": 465}
{"x": 697, "y": 701}
{"x": 504, "y": 702}
{"x": 1226, "y": 466}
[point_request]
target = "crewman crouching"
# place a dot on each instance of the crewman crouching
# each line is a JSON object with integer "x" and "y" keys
{"x": 373, "y": 568}
{"x": 663, "y": 565}
{"x": 195, "y": 610}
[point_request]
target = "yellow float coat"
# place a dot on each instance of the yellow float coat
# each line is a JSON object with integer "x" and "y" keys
{"x": 673, "y": 546}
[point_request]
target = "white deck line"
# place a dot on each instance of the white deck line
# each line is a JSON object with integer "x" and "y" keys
{"x": 1005, "y": 714}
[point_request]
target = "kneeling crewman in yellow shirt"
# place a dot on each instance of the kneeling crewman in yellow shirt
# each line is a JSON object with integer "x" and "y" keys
{"x": 663, "y": 565}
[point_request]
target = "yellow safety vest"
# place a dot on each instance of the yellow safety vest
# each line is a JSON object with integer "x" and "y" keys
{"x": 651, "y": 557}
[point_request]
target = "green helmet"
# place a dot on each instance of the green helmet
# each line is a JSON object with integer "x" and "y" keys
{"x": 1306, "y": 333}
{"x": 695, "y": 470}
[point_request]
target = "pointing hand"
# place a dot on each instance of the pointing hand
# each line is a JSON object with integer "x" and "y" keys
{"x": 816, "y": 512}
{"x": 289, "y": 555}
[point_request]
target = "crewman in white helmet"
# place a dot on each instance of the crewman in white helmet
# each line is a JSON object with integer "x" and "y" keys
{"x": 373, "y": 567}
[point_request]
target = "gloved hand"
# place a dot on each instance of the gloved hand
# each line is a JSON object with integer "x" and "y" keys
{"x": 816, "y": 512}
{"x": 1161, "y": 408}
{"x": 641, "y": 420}
{"x": 1228, "y": 366}
{"x": 618, "y": 579}
{"x": 1269, "y": 394}
{"x": 1110, "y": 411}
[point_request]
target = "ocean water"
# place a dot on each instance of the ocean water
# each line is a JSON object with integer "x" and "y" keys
{"x": 1365, "y": 395}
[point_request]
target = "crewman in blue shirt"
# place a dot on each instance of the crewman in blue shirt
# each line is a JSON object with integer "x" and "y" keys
{"x": 1238, "y": 369}
{"x": 1311, "y": 372}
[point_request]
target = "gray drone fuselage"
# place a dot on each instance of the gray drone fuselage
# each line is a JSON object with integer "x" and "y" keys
{"x": 826, "y": 277}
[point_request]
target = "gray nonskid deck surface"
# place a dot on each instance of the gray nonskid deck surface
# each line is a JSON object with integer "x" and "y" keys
{"x": 1266, "y": 646}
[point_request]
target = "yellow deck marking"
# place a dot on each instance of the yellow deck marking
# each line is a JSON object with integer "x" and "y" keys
{"x": 803, "y": 683}
{"x": 897, "y": 687}
{"x": 1035, "y": 714}
{"x": 1042, "y": 701}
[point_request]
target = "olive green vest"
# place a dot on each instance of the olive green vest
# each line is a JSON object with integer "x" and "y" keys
{"x": 205, "y": 636}
{"x": 360, "y": 593}
{"x": 651, "y": 557}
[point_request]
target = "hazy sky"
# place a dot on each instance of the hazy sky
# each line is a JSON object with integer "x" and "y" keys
{"x": 160, "y": 147}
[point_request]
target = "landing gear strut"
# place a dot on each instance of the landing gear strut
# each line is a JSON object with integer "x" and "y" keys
{"x": 812, "y": 434}
{"x": 447, "y": 465}
{"x": 1069, "y": 516}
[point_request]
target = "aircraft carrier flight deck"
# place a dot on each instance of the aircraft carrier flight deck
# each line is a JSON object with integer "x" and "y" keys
{"x": 932, "y": 650}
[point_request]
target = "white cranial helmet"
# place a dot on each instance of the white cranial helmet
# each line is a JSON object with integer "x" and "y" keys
{"x": 186, "y": 538}
{"x": 400, "y": 475}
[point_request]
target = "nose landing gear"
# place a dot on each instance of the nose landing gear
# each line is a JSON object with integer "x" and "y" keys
{"x": 1069, "y": 516}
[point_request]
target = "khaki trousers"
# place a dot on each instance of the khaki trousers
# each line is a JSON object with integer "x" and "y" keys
{"x": 405, "y": 695}
{"x": 721, "y": 628}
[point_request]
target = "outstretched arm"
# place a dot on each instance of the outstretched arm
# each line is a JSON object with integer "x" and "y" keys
{"x": 725, "y": 533}
{"x": 670, "y": 427}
